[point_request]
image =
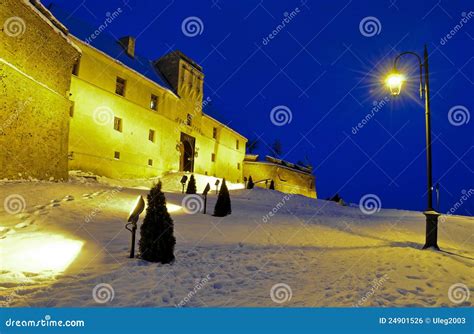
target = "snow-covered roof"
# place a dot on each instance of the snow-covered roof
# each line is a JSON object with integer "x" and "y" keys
{"x": 109, "y": 45}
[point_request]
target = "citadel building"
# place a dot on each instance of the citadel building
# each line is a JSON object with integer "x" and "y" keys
{"x": 72, "y": 101}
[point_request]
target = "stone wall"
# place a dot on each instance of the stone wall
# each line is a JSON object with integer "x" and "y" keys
{"x": 286, "y": 180}
{"x": 36, "y": 60}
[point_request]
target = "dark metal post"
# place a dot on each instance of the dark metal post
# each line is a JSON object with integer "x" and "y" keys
{"x": 431, "y": 215}
{"x": 132, "y": 247}
{"x": 431, "y": 238}
{"x": 428, "y": 132}
{"x": 204, "y": 193}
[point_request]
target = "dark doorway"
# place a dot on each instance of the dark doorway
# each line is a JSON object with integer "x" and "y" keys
{"x": 187, "y": 153}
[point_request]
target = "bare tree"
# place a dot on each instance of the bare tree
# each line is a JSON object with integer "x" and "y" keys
{"x": 277, "y": 149}
{"x": 252, "y": 145}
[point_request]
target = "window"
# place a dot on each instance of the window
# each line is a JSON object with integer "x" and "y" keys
{"x": 118, "y": 124}
{"x": 189, "y": 120}
{"x": 150, "y": 162}
{"x": 213, "y": 157}
{"x": 237, "y": 144}
{"x": 75, "y": 68}
{"x": 154, "y": 102}
{"x": 116, "y": 155}
{"x": 214, "y": 133}
{"x": 151, "y": 135}
{"x": 120, "y": 86}
{"x": 238, "y": 165}
{"x": 71, "y": 109}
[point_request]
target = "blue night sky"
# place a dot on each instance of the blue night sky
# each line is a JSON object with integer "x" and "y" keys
{"x": 329, "y": 75}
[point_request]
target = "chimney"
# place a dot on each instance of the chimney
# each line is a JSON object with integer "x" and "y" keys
{"x": 128, "y": 43}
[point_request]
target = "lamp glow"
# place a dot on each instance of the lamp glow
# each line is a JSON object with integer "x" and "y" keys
{"x": 38, "y": 253}
{"x": 394, "y": 82}
{"x": 173, "y": 207}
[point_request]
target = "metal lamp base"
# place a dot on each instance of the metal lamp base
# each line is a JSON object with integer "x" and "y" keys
{"x": 431, "y": 229}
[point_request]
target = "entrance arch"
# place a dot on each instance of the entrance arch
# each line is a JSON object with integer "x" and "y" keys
{"x": 187, "y": 153}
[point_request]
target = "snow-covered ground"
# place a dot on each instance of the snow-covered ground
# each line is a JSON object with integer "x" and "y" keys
{"x": 64, "y": 244}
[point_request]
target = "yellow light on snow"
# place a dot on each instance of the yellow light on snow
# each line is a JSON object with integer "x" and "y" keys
{"x": 173, "y": 207}
{"x": 38, "y": 252}
{"x": 394, "y": 82}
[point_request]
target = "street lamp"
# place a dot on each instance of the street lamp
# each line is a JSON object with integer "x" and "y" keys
{"x": 394, "y": 82}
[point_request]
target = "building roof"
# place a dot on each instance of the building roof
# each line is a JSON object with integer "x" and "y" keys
{"x": 106, "y": 43}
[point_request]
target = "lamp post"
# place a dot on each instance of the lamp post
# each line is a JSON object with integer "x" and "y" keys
{"x": 395, "y": 82}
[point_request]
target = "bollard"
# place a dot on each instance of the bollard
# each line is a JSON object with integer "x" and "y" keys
{"x": 204, "y": 194}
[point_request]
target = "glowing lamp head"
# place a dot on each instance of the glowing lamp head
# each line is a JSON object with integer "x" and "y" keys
{"x": 394, "y": 82}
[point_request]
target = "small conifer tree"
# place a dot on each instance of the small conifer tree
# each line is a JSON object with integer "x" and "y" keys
{"x": 156, "y": 233}
{"x": 272, "y": 185}
{"x": 223, "y": 205}
{"x": 250, "y": 183}
{"x": 191, "y": 189}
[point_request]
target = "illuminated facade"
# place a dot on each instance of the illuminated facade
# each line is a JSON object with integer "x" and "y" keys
{"x": 126, "y": 125}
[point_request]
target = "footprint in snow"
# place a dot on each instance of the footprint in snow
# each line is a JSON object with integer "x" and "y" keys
{"x": 41, "y": 212}
{"x": 22, "y": 216}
